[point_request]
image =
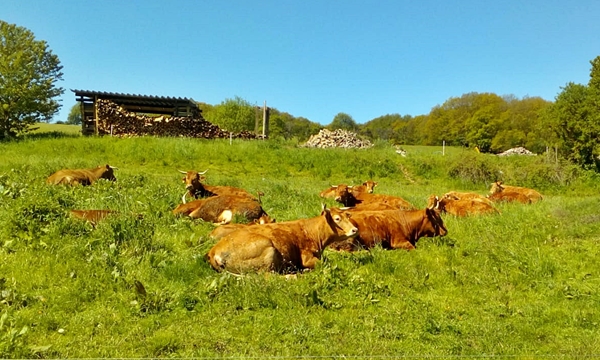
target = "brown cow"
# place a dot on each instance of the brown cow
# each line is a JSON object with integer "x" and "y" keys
{"x": 466, "y": 195}
{"x": 366, "y": 187}
{"x": 462, "y": 207}
{"x": 531, "y": 194}
{"x": 345, "y": 196}
{"x": 82, "y": 176}
{"x": 221, "y": 209}
{"x": 281, "y": 247}
{"x": 393, "y": 229}
{"x": 92, "y": 216}
{"x": 196, "y": 189}
{"x": 509, "y": 196}
{"x": 221, "y": 231}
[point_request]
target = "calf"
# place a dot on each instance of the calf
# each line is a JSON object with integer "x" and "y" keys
{"x": 196, "y": 189}
{"x": 345, "y": 196}
{"x": 393, "y": 229}
{"x": 462, "y": 207}
{"x": 532, "y": 195}
{"x": 221, "y": 231}
{"x": 221, "y": 209}
{"x": 82, "y": 176}
{"x": 282, "y": 247}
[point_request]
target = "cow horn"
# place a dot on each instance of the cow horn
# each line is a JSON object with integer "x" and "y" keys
{"x": 204, "y": 172}
{"x": 113, "y": 167}
{"x": 183, "y": 172}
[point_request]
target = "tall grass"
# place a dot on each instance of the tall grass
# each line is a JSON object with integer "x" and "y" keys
{"x": 524, "y": 283}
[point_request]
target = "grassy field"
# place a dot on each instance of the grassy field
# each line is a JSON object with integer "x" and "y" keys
{"x": 523, "y": 284}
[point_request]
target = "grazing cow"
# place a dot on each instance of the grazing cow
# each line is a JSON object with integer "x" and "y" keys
{"x": 92, "y": 216}
{"x": 393, "y": 229}
{"x": 282, "y": 247}
{"x": 499, "y": 187}
{"x": 345, "y": 196}
{"x": 221, "y": 231}
{"x": 196, "y": 189}
{"x": 462, "y": 207}
{"x": 82, "y": 176}
{"x": 221, "y": 209}
{"x": 366, "y": 187}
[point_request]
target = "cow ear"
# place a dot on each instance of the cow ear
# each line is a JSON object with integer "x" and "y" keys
{"x": 323, "y": 208}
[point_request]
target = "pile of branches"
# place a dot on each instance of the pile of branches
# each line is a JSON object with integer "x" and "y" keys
{"x": 516, "y": 151}
{"x": 337, "y": 138}
{"x": 116, "y": 121}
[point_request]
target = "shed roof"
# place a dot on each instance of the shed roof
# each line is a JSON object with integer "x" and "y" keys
{"x": 134, "y": 99}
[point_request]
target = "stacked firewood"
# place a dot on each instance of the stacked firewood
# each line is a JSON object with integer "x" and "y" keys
{"x": 337, "y": 138}
{"x": 115, "y": 120}
{"x": 516, "y": 151}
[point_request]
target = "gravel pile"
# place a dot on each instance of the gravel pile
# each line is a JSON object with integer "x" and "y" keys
{"x": 337, "y": 138}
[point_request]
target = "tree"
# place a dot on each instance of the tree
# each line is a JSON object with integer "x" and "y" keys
{"x": 28, "y": 75}
{"x": 575, "y": 120}
{"x": 233, "y": 115}
{"x": 343, "y": 121}
{"x": 74, "y": 115}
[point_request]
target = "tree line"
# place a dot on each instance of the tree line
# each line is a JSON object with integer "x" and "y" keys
{"x": 29, "y": 73}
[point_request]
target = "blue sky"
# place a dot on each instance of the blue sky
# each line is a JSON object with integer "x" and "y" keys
{"x": 316, "y": 58}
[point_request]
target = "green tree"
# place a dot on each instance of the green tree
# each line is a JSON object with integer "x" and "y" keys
{"x": 28, "y": 75}
{"x": 233, "y": 115}
{"x": 74, "y": 117}
{"x": 343, "y": 121}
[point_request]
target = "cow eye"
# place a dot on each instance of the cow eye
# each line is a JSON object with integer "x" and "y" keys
{"x": 337, "y": 218}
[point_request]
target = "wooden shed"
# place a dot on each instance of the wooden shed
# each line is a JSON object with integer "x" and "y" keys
{"x": 142, "y": 104}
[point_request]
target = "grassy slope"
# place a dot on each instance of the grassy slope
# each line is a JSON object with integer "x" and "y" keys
{"x": 521, "y": 283}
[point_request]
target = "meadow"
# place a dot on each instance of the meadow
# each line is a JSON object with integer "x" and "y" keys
{"x": 523, "y": 284}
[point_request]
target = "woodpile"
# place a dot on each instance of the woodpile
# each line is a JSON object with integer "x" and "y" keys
{"x": 516, "y": 151}
{"x": 116, "y": 121}
{"x": 337, "y": 138}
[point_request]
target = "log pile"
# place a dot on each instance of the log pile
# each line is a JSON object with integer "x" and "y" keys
{"x": 116, "y": 121}
{"x": 516, "y": 151}
{"x": 337, "y": 138}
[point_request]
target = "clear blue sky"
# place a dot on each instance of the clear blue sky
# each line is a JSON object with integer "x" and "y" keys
{"x": 316, "y": 58}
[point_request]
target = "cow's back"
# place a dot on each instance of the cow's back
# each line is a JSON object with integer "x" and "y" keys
{"x": 69, "y": 177}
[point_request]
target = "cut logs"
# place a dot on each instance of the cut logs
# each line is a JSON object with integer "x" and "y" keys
{"x": 116, "y": 121}
{"x": 337, "y": 138}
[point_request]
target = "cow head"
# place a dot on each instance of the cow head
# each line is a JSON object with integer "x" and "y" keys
{"x": 433, "y": 225}
{"x": 339, "y": 221}
{"x": 496, "y": 187}
{"x": 344, "y": 196}
{"x": 192, "y": 180}
{"x": 370, "y": 185}
{"x": 107, "y": 172}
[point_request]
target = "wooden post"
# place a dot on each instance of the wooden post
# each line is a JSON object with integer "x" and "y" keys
{"x": 443, "y": 147}
{"x": 83, "y": 119}
{"x": 96, "y": 114}
{"x": 265, "y": 131}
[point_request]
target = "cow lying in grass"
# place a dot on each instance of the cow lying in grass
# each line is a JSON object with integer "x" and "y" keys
{"x": 366, "y": 187}
{"x": 282, "y": 247}
{"x": 221, "y": 209}
{"x": 393, "y": 229}
{"x": 82, "y": 176}
{"x": 196, "y": 189}
{"x": 347, "y": 197}
{"x": 462, "y": 206}
{"x": 221, "y": 231}
{"x": 501, "y": 192}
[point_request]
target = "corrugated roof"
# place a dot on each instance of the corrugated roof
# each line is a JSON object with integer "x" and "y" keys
{"x": 134, "y": 98}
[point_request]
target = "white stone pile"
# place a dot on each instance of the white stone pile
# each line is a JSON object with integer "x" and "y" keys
{"x": 337, "y": 138}
{"x": 517, "y": 151}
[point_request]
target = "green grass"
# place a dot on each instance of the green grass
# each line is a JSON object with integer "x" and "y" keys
{"x": 521, "y": 284}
